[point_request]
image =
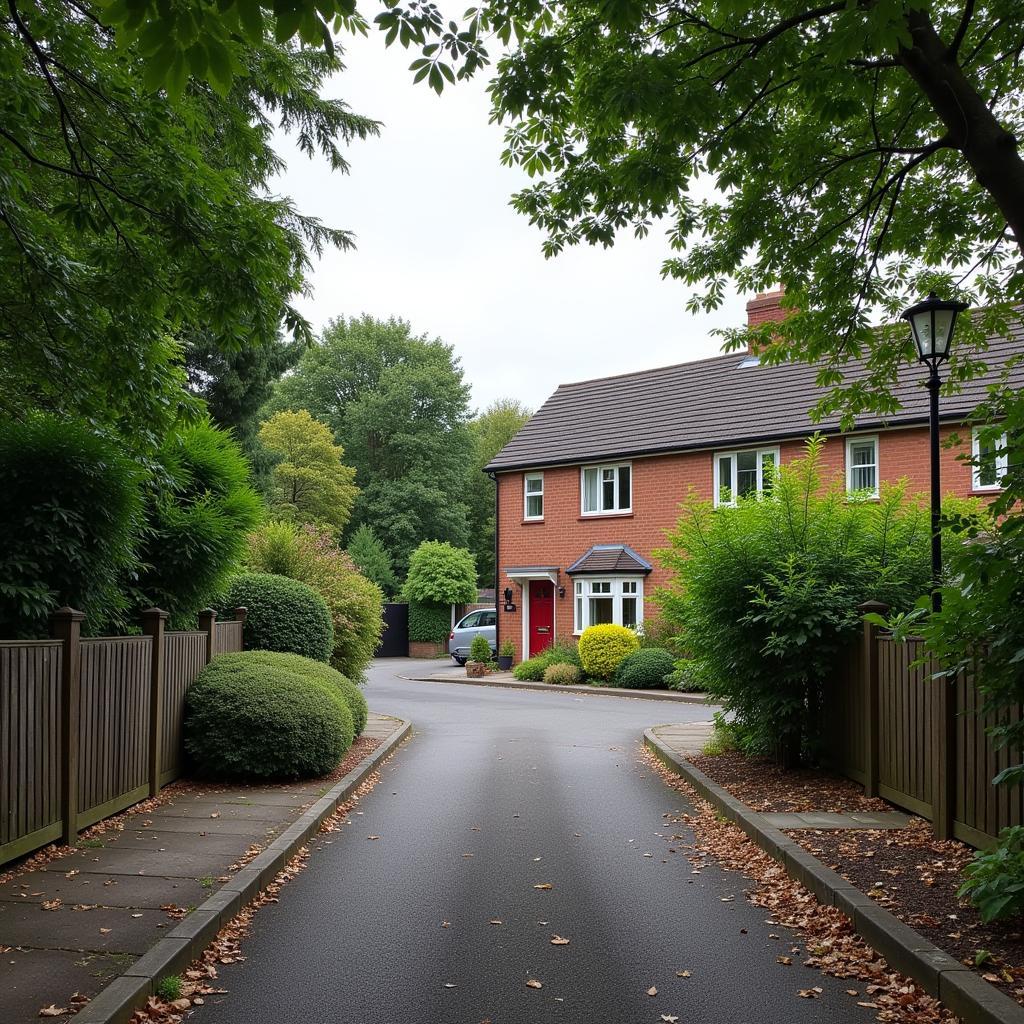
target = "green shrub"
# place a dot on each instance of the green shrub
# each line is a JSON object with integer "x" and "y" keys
{"x": 197, "y": 522}
{"x": 480, "y": 649}
{"x": 429, "y": 623}
{"x": 284, "y": 615}
{"x": 309, "y": 554}
{"x": 531, "y": 670}
{"x": 372, "y": 559}
{"x": 564, "y": 651}
{"x": 440, "y": 573}
{"x": 561, "y": 674}
{"x": 725, "y": 737}
{"x": 658, "y": 632}
{"x": 316, "y": 671}
{"x": 246, "y": 720}
{"x": 602, "y": 648}
{"x": 507, "y": 649}
{"x": 645, "y": 669}
{"x": 994, "y": 880}
{"x": 681, "y": 678}
{"x": 70, "y": 511}
{"x": 765, "y": 594}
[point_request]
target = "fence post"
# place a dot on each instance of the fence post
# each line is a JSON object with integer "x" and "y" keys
{"x": 208, "y": 625}
{"x": 870, "y": 670}
{"x": 154, "y": 623}
{"x": 944, "y": 765}
{"x": 66, "y": 626}
{"x": 240, "y": 616}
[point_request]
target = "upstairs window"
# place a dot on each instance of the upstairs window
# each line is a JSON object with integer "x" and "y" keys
{"x": 533, "y": 496}
{"x": 607, "y": 489}
{"x": 738, "y": 474}
{"x": 862, "y": 466}
{"x": 990, "y": 459}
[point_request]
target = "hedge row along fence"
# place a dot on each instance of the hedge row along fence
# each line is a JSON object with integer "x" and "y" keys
{"x": 90, "y": 726}
{"x": 918, "y": 739}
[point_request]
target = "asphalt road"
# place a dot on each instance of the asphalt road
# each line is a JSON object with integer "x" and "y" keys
{"x": 497, "y": 792}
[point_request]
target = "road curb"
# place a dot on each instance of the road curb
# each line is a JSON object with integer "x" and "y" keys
{"x": 116, "y": 1003}
{"x": 970, "y": 997}
{"x": 596, "y": 691}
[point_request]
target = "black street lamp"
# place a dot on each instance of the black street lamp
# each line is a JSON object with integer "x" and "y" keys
{"x": 932, "y": 322}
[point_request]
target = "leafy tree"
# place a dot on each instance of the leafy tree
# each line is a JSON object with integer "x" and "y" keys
{"x": 197, "y": 521}
{"x": 70, "y": 511}
{"x": 236, "y": 384}
{"x": 398, "y": 404}
{"x": 441, "y": 574}
{"x": 861, "y": 154}
{"x": 490, "y": 431}
{"x": 311, "y": 483}
{"x": 129, "y": 222}
{"x": 764, "y": 595}
{"x": 372, "y": 559}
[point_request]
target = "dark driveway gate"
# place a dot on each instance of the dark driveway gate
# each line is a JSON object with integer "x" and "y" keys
{"x": 395, "y": 641}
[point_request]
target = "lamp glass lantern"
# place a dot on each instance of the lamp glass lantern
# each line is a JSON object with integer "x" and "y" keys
{"x": 931, "y": 323}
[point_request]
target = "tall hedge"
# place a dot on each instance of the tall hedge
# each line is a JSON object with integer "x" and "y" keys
{"x": 284, "y": 615}
{"x": 70, "y": 511}
{"x": 429, "y": 623}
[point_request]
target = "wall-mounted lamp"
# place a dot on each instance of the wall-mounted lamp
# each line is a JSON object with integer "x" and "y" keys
{"x": 561, "y": 591}
{"x": 508, "y": 595}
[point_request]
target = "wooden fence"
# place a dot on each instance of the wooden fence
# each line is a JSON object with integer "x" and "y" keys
{"x": 918, "y": 739}
{"x": 91, "y": 725}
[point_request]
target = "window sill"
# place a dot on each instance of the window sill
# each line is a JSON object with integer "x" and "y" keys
{"x": 584, "y": 516}
{"x": 985, "y": 492}
{"x": 533, "y": 522}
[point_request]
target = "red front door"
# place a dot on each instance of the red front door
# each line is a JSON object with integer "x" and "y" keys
{"x": 542, "y": 615}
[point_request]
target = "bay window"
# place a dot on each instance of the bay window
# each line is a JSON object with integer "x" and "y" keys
{"x": 618, "y": 601}
{"x": 738, "y": 474}
{"x": 607, "y": 490}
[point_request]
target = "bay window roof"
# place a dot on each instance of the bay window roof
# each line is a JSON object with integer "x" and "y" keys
{"x": 610, "y": 558}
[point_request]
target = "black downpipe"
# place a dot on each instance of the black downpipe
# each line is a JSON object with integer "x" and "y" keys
{"x": 497, "y": 613}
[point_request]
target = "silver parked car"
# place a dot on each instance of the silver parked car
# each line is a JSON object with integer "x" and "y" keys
{"x": 478, "y": 623}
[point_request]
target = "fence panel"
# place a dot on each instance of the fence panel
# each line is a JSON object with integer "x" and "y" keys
{"x": 228, "y": 638}
{"x": 29, "y": 745}
{"x": 185, "y": 657}
{"x": 906, "y": 701}
{"x": 113, "y": 731}
{"x": 844, "y": 721}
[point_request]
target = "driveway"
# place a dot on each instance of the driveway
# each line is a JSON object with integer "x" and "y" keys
{"x": 497, "y": 793}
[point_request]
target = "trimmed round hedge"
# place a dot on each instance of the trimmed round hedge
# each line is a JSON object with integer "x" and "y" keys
{"x": 647, "y": 669}
{"x": 318, "y": 672}
{"x": 283, "y": 615}
{"x": 247, "y": 720}
{"x": 603, "y": 648}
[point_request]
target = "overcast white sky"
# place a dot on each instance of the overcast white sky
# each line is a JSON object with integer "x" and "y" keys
{"x": 439, "y": 245}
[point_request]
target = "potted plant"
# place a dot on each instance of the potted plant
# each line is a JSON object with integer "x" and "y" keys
{"x": 506, "y": 652}
{"x": 479, "y": 657}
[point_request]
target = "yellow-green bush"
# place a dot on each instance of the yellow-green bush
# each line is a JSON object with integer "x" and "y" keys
{"x": 602, "y": 648}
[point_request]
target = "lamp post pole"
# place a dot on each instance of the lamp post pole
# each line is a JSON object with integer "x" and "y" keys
{"x": 936, "y": 492}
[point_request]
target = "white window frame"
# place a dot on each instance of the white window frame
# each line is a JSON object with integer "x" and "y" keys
{"x": 850, "y": 442}
{"x": 1002, "y": 461}
{"x": 616, "y": 466}
{"x": 582, "y": 592}
{"x": 718, "y": 456}
{"x": 527, "y": 494}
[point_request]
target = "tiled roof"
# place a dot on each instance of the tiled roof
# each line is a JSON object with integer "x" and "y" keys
{"x": 604, "y": 558}
{"x": 726, "y": 400}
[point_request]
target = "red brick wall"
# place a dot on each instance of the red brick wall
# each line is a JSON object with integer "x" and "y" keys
{"x": 659, "y": 484}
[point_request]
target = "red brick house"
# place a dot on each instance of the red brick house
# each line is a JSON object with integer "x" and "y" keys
{"x": 586, "y": 490}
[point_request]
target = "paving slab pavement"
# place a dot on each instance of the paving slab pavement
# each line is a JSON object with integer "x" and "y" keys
{"x": 80, "y": 920}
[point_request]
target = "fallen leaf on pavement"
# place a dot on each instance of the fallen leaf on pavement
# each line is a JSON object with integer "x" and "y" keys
{"x": 53, "y": 1011}
{"x": 373, "y": 837}
{"x": 682, "y": 974}
{"x": 51, "y": 904}
{"x": 558, "y": 940}
{"x": 668, "y": 1018}
{"x": 448, "y": 984}
{"x": 216, "y": 814}
{"x": 652, "y": 991}
{"x": 446, "y": 924}
{"x": 809, "y": 993}
{"x": 852, "y": 992}
{"x": 534, "y": 983}
{"x": 104, "y": 931}
{"x": 787, "y": 960}
{"x": 495, "y": 920}
{"x": 544, "y": 885}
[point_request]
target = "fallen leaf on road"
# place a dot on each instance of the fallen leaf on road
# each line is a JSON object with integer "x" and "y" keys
{"x": 809, "y": 993}
{"x": 534, "y": 983}
{"x": 682, "y": 974}
{"x": 72, "y": 873}
{"x": 668, "y": 1018}
{"x": 648, "y": 854}
{"x": 652, "y": 991}
{"x": 852, "y": 992}
{"x": 535, "y": 859}
{"x": 869, "y": 1006}
{"x": 558, "y": 940}
{"x": 446, "y": 924}
{"x": 104, "y": 931}
{"x": 448, "y": 984}
{"x": 544, "y": 885}
{"x": 53, "y": 1011}
{"x": 216, "y": 814}
{"x": 727, "y": 899}
{"x": 787, "y": 960}
{"x": 495, "y": 920}
{"x": 467, "y": 855}
{"x": 373, "y": 837}
{"x": 51, "y": 904}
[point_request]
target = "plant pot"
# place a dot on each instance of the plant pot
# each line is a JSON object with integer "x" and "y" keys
{"x": 504, "y": 662}
{"x": 476, "y": 669}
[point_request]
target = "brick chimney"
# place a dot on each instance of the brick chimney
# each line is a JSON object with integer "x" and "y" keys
{"x": 765, "y": 308}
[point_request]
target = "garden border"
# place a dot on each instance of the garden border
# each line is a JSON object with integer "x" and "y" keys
{"x": 597, "y": 691}
{"x": 957, "y": 986}
{"x": 172, "y": 954}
